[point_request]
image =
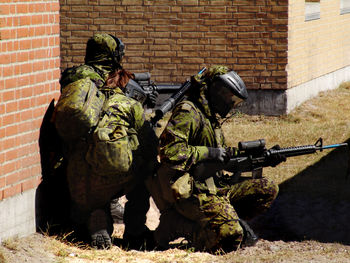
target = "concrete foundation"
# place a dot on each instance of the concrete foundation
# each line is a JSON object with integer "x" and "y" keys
{"x": 17, "y": 216}
{"x": 305, "y": 91}
{"x": 278, "y": 102}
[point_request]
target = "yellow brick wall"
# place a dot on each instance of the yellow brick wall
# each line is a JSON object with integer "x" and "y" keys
{"x": 174, "y": 39}
{"x": 316, "y": 47}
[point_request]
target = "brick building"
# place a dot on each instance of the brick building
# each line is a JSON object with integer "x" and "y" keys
{"x": 286, "y": 52}
{"x": 29, "y": 73}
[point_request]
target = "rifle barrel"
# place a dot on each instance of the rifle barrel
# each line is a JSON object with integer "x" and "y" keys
{"x": 295, "y": 151}
{"x": 301, "y": 150}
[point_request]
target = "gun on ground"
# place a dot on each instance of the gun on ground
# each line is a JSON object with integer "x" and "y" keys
{"x": 252, "y": 156}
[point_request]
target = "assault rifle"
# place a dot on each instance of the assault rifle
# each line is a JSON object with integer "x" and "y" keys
{"x": 141, "y": 88}
{"x": 252, "y": 156}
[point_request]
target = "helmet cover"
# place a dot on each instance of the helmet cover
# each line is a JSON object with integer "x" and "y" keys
{"x": 104, "y": 49}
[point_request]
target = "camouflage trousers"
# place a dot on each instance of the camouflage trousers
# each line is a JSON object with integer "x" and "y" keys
{"x": 91, "y": 194}
{"x": 212, "y": 221}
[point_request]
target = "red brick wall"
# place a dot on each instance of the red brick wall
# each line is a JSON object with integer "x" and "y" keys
{"x": 29, "y": 72}
{"x": 173, "y": 39}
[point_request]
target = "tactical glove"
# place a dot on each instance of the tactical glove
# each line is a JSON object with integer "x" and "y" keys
{"x": 232, "y": 152}
{"x": 276, "y": 159}
{"x": 152, "y": 99}
{"x": 218, "y": 154}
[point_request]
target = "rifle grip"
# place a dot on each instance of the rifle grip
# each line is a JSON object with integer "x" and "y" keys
{"x": 256, "y": 174}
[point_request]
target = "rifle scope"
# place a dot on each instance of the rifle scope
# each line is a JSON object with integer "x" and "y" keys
{"x": 252, "y": 145}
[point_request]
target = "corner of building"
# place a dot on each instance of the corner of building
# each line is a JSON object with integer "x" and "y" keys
{"x": 19, "y": 216}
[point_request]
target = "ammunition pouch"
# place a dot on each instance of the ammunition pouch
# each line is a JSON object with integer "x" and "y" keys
{"x": 182, "y": 188}
{"x": 110, "y": 154}
{"x": 165, "y": 191}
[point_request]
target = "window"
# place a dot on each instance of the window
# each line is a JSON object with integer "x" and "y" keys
{"x": 344, "y": 6}
{"x": 312, "y": 10}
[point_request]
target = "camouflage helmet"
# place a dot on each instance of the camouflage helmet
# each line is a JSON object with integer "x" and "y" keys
{"x": 104, "y": 49}
{"x": 216, "y": 70}
{"x": 222, "y": 76}
{"x": 226, "y": 90}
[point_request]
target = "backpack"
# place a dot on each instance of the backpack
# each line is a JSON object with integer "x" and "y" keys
{"x": 112, "y": 144}
{"x": 78, "y": 109}
{"x": 75, "y": 73}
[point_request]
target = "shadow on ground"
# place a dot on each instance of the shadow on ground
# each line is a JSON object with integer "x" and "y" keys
{"x": 313, "y": 205}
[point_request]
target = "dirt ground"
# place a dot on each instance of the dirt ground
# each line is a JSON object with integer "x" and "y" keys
{"x": 42, "y": 248}
{"x": 39, "y": 248}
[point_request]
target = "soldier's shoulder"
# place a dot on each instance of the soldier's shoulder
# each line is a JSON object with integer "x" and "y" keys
{"x": 84, "y": 69}
{"x": 122, "y": 99}
{"x": 186, "y": 106}
{"x": 75, "y": 73}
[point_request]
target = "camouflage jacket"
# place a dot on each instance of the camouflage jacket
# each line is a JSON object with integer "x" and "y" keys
{"x": 123, "y": 111}
{"x": 192, "y": 128}
{"x": 123, "y": 114}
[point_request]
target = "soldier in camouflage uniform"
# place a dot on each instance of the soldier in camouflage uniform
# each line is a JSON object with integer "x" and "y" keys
{"x": 207, "y": 212}
{"x": 91, "y": 187}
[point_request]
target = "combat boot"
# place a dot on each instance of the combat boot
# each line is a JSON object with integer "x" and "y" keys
{"x": 100, "y": 229}
{"x": 249, "y": 237}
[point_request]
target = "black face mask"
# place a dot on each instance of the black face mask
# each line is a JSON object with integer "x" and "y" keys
{"x": 222, "y": 100}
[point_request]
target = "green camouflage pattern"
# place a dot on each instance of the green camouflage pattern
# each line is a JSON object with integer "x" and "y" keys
{"x": 124, "y": 111}
{"x": 99, "y": 52}
{"x": 185, "y": 140}
{"x": 90, "y": 188}
{"x": 98, "y": 62}
{"x": 91, "y": 184}
{"x": 81, "y": 72}
{"x": 115, "y": 138}
{"x": 217, "y": 220}
{"x": 211, "y": 73}
{"x": 191, "y": 129}
{"x": 78, "y": 109}
{"x": 250, "y": 197}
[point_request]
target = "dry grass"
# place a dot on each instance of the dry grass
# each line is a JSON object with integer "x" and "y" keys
{"x": 327, "y": 116}
{"x": 2, "y": 257}
{"x": 11, "y": 243}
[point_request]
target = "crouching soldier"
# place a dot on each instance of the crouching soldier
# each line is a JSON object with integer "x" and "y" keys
{"x": 209, "y": 213}
{"x": 104, "y": 146}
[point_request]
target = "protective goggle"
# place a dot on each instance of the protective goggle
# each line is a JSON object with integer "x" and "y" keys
{"x": 119, "y": 52}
